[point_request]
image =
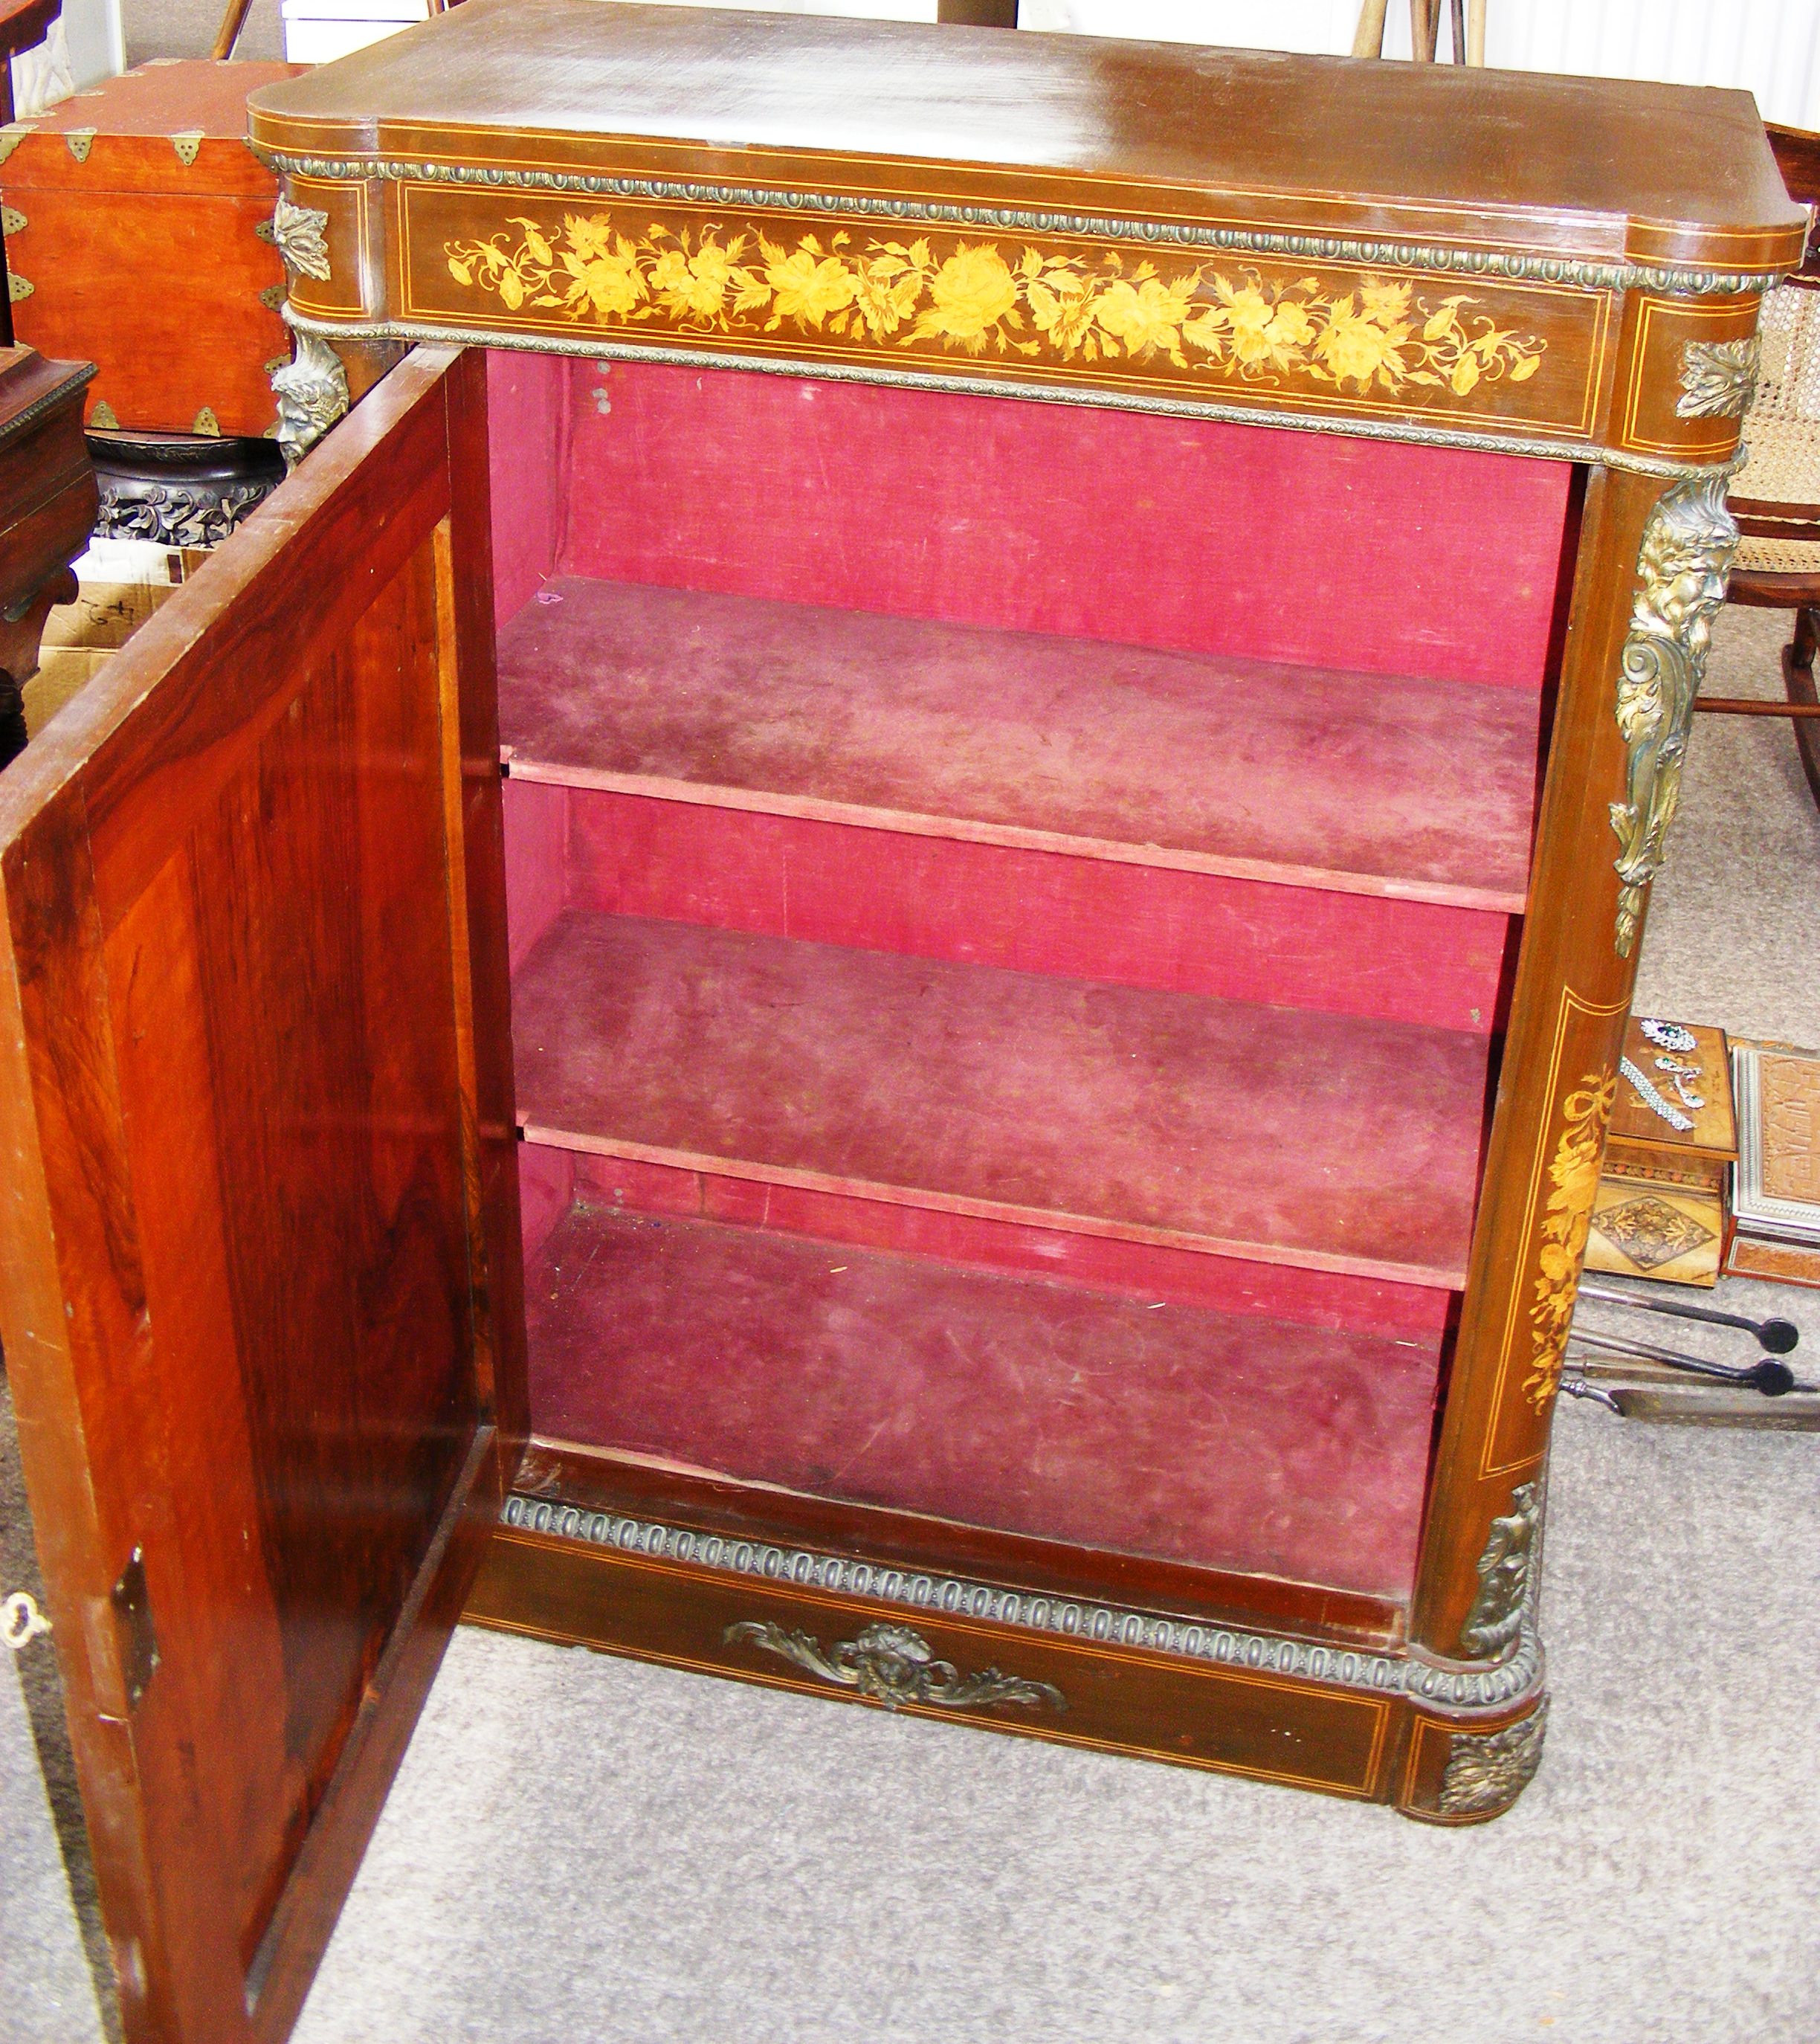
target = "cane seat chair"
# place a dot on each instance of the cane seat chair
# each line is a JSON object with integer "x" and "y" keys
{"x": 1775, "y": 497}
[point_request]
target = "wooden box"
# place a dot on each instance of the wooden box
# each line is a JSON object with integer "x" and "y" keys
{"x": 880, "y": 941}
{"x": 1661, "y": 1210}
{"x": 139, "y": 235}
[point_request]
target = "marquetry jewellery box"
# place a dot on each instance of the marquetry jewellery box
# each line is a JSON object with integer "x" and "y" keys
{"x": 1660, "y": 1210}
{"x": 881, "y": 939}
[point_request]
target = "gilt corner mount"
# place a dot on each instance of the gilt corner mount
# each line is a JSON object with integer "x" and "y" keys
{"x": 1718, "y": 378}
{"x": 311, "y": 393}
{"x": 299, "y": 233}
{"x": 1486, "y": 1772}
{"x": 1682, "y": 566}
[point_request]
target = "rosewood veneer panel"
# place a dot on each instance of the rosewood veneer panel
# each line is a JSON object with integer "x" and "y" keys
{"x": 1328, "y": 1143}
{"x": 1373, "y": 784}
{"x": 1032, "y": 1407}
{"x": 1127, "y": 526}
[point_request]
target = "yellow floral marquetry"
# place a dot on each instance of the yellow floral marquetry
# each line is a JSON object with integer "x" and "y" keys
{"x": 1573, "y": 1182}
{"x": 978, "y": 296}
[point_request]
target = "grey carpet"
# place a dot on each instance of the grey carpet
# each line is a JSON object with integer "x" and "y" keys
{"x": 47, "y": 1993}
{"x": 585, "y": 1851}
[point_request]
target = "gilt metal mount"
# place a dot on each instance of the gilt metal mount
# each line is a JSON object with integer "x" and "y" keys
{"x": 1686, "y": 555}
{"x": 894, "y": 1666}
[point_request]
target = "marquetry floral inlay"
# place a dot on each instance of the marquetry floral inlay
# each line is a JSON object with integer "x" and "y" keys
{"x": 1573, "y": 1182}
{"x": 977, "y": 296}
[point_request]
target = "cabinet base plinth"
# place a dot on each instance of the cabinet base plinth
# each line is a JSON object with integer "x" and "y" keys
{"x": 1453, "y": 1746}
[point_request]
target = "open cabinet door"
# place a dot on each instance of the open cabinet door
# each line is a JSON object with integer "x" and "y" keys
{"x": 258, "y": 1222}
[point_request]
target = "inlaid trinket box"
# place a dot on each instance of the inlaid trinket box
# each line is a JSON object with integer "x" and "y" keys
{"x": 879, "y": 939}
{"x": 1661, "y": 1209}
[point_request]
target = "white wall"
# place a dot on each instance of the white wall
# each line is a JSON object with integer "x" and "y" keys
{"x": 1770, "y": 47}
{"x": 96, "y": 49}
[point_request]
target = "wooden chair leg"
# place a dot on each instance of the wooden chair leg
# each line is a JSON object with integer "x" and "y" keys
{"x": 1798, "y": 684}
{"x": 1368, "y": 38}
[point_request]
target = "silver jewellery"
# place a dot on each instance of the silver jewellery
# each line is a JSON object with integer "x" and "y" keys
{"x": 1653, "y": 1100}
{"x": 1667, "y": 1035}
{"x": 1680, "y": 1074}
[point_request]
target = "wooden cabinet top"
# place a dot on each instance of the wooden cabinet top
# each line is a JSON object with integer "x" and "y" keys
{"x": 1574, "y": 168}
{"x": 1562, "y": 267}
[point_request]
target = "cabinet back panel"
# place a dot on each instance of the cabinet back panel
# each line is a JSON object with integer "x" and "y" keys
{"x": 1184, "y": 533}
{"x": 1032, "y": 911}
{"x": 550, "y": 1177}
{"x": 528, "y": 433}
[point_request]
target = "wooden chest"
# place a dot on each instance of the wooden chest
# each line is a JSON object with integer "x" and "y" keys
{"x": 880, "y": 941}
{"x": 139, "y": 235}
{"x": 1661, "y": 1209}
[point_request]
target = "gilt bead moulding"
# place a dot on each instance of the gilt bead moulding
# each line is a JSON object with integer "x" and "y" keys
{"x": 1386, "y": 341}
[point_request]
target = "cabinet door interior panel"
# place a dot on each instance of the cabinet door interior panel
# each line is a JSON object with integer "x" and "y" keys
{"x": 242, "y": 1261}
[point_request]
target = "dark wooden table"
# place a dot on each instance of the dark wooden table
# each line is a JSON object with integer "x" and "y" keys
{"x": 48, "y": 504}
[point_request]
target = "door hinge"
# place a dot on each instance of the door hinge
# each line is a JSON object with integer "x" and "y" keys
{"x": 132, "y": 1602}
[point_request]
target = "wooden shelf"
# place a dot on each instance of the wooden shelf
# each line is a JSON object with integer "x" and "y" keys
{"x": 1360, "y": 783}
{"x": 1034, "y": 1407}
{"x": 1280, "y": 1136}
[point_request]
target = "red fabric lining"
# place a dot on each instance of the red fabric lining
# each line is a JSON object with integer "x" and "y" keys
{"x": 1032, "y": 911}
{"x": 1142, "y": 528}
{"x": 528, "y": 398}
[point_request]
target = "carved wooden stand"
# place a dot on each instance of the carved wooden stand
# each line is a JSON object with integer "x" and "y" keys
{"x": 48, "y": 504}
